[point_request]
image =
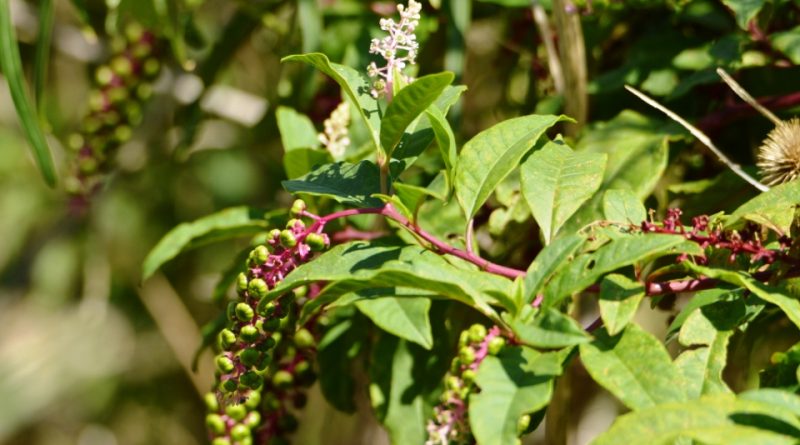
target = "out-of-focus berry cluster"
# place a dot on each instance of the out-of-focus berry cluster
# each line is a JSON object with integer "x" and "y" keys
{"x": 265, "y": 362}
{"x": 115, "y": 107}
{"x": 450, "y": 424}
{"x": 746, "y": 243}
{"x": 335, "y": 137}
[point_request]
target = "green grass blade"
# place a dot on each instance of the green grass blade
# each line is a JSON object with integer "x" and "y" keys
{"x": 42, "y": 61}
{"x": 11, "y": 65}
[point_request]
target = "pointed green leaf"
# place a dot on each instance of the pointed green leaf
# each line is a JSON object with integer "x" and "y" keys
{"x": 548, "y": 262}
{"x": 336, "y": 355}
{"x": 744, "y": 10}
{"x": 444, "y": 136}
{"x": 404, "y": 316}
{"x": 229, "y": 223}
{"x": 556, "y": 181}
{"x": 301, "y": 161}
{"x": 11, "y": 66}
{"x": 773, "y": 208}
{"x": 43, "y": 43}
{"x": 353, "y": 84}
{"x": 634, "y": 367}
{"x": 296, "y": 129}
{"x": 622, "y": 206}
{"x": 412, "y": 196}
{"x": 408, "y": 104}
{"x": 619, "y": 299}
{"x": 347, "y": 183}
{"x": 491, "y": 155}
{"x": 508, "y": 390}
{"x": 548, "y": 329}
{"x": 710, "y": 420}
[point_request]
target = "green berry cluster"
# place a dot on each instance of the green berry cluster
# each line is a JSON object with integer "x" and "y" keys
{"x": 450, "y": 425}
{"x": 265, "y": 361}
{"x": 115, "y": 107}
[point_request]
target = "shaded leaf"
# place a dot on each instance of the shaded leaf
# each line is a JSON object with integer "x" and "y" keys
{"x": 550, "y": 261}
{"x": 773, "y": 208}
{"x": 548, "y": 329}
{"x": 347, "y": 183}
{"x": 301, "y": 161}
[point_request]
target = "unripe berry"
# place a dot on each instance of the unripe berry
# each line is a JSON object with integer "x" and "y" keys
{"x": 253, "y": 419}
{"x": 151, "y": 67}
{"x": 221, "y": 441}
{"x": 215, "y": 423}
{"x": 282, "y": 379}
{"x": 271, "y": 324}
{"x": 523, "y": 423}
{"x": 249, "y": 333}
{"x": 264, "y": 361}
{"x": 477, "y": 333}
{"x": 251, "y": 379}
{"x": 244, "y": 312}
{"x": 224, "y": 364}
{"x": 453, "y": 382}
{"x": 236, "y": 412}
{"x": 266, "y": 344}
{"x": 303, "y": 339}
{"x": 298, "y": 207}
{"x": 496, "y": 345}
{"x": 239, "y": 432}
{"x": 249, "y": 357}
{"x": 230, "y": 311}
{"x": 257, "y": 288}
{"x": 228, "y": 386}
{"x": 121, "y": 66}
{"x": 317, "y": 242}
{"x": 241, "y": 283}
{"x": 226, "y": 339}
{"x": 302, "y": 367}
{"x": 260, "y": 255}
{"x": 253, "y": 400}
{"x": 288, "y": 239}
{"x": 468, "y": 376}
{"x": 467, "y": 355}
{"x": 212, "y": 404}
{"x": 266, "y": 310}
{"x": 294, "y": 222}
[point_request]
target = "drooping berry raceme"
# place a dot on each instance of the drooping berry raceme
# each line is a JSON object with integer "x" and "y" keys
{"x": 115, "y": 108}
{"x": 450, "y": 424}
{"x": 335, "y": 136}
{"x": 399, "y": 48}
{"x": 255, "y": 359}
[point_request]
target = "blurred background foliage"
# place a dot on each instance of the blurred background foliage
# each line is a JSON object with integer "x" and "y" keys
{"x": 91, "y": 355}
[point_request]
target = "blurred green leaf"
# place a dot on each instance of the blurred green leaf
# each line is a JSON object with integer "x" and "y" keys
{"x": 42, "y": 58}
{"x": 788, "y": 42}
{"x": 297, "y": 130}
{"x": 744, "y": 10}
{"x": 12, "y": 70}
{"x": 301, "y": 161}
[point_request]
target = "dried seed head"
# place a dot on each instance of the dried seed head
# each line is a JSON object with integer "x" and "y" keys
{"x": 779, "y": 154}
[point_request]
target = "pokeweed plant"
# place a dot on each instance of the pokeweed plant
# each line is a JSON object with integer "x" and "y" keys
{"x": 369, "y": 280}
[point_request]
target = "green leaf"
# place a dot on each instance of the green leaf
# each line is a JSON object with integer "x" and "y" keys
{"x": 619, "y": 299}
{"x": 412, "y": 196}
{"x": 297, "y": 130}
{"x": 408, "y": 104}
{"x": 229, "y": 223}
{"x": 397, "y": 392}
{"x": 556, "y": 181}
{"x": 782, "y": 372}
{"x": 634, "y": 367}
{"x": 788, "y": 42}
{"x": 404, "y": 316}
{"x": 337, "y": 351}
{"x": 353, "y": 84}
{"x": 301, "y": 161}
{"x": 708, "y": 330}
{"x": 623, "y": 206}
{"x": 637, "y": 152}
{"x": 229, "y": 276}
{"x": 773, "y": 208}
{"x": 444, "y": 136}
{"x": 11, "y": 66}
{"x": 548, "y": 329}
{"x": 492, "y": 154}
{"x": 42, "y": 59}
{"x": 700, "y": 299}
{"x": 622, "y": 251}
{"x": 790, "y": 306}
{"x": 550, "y": 260}
{"x": 744, "y": 10}
{"x": 352, "y": 184}
{"x": 508, "y": 390}
{"x": 710, "y": 420}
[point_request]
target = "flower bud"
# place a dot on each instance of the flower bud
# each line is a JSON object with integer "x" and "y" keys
{"x": 244, "y": 312}
{"x": 288, "y": 239}
{"x": 257, "y": 288}
{"x": 298, "y": 207}
{"x": 236, "y": 412}
{"x": 224, "y": 364}
{"x": 282, "y": 379}
{"x": 215, "y": 423}
{"x": 303, "y": 339}
{"x": 317, "y": 242}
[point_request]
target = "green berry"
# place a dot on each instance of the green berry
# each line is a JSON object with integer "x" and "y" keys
{"x": 267, "y": 344}
{"x": 303, "y": 339}
{"x": 228, "y": 386}
{"x": 266, "y": 310}
{"x": 104, "y": 75}
{"x": 271, "y": 324}
{"x": 253, "y": 400}
{"x": 215, "y": 423}
{"x": 244, "y": 312}
{"x": 496, "y": 345}
{"x": 236, "y": 412}
{"x": 241, "y": 283}
{"x": 302, "y": 367}
{"x": 226, "y": 339}
{"x": 212, "y": 404}
{"x": 316, "y": 242}
{"x": 257, "y": 288}
{"x": 300, "y": 292}
{"x": 252, "y": 420}
{"x": 249, "y": 357}
{"x": 477, "y": 333}
{"x": 260, "y": 254}
{"x": 121, "y": 66}
{"x": 224, "y": 364}
{"x": 287, "y": 239}
{"x": 453, "y": 382}
{"x": 123, "y": 133}
{"x": 249, "y": 333}
{"x": 264, "y": 361}
{"x": 298, "y": 207}
{"x": 468, "y": 376}
{"x": 151, "y": 67}
{"x": 239, "y": 432}
{"x": 523, "y": 423}
{"x": 467, "y": 355}
{"x": 274, "y": 234}
{"x": 221, "y": 441}
{"x": 251, "y": 379}
{"x": 283, "y": 379}
{"x": 295, "y": 222}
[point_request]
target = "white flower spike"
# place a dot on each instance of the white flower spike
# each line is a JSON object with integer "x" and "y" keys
{"x": 399, "y": 48}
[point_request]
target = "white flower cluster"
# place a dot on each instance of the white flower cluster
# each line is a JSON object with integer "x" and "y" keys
{"x": 335, "y": 137}
{"x": 399, "y": 48}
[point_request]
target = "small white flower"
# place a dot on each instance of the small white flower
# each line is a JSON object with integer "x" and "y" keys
{"x": 334, "y": 136}
{"x": 399, "y": 48}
